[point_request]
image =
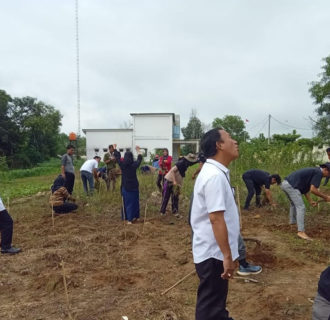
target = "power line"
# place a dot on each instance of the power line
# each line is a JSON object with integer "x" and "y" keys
{"x": 290, "y": 126}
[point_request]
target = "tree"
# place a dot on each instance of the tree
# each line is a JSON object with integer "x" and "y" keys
{"x": 9, "y": 131}
{"x": 320, "y": 92}
{"x": 234, "y": 125}
{"x": 286, "y": 138}
{"x": 29, "y": 130}
{"x": 39, "y": 125}
{"x": 193, "y": 130}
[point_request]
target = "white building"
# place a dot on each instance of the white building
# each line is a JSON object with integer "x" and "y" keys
{"x": 150, "y": 131}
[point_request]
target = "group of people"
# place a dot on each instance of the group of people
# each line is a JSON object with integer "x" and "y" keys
{"x": 213, "y": 216}
{"x": 61, "y": 198}
{"x": 215, "y": 222}
{"x": 300, "y": 182}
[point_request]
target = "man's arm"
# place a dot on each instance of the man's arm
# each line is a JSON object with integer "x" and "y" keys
{"x": 63, "y": 161}
{"x": 220, "y": 231}
{"x": 316, "y": 191}
{"x": 310, "y": 200}
{"x": 106, "y": 158}
{"x": 269, "y": 197}
{"x": 198, "y": 170}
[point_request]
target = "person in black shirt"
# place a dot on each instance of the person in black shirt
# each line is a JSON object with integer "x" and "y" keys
{"x": 254, "y": 180}
{"x": 129, "y": 184}
{"x": 299, "y": 183}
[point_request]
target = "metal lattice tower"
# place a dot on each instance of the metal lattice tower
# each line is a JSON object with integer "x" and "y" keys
{"x": 77, "y": 65}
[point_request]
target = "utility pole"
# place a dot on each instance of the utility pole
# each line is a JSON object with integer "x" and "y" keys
{"x": 269, "y": 116}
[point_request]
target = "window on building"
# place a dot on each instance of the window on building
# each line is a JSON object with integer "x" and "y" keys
{"x": 105, "y": 149}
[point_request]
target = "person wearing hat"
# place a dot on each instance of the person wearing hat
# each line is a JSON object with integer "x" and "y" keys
{"x": 173, "y": 182}
{"x": 254, "y": 180}
{"x": 304, "y": 182}
{"x": 87, "y": 171}
{"x": 321, "y": 307}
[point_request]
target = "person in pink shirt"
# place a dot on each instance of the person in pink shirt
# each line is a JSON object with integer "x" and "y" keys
{"x": 165, "y": 164}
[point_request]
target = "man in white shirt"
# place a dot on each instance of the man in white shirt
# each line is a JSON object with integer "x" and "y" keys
{"x": 6, "y": 227}
{"x": 87, "y": 171}
{"x": 215, "y": 225}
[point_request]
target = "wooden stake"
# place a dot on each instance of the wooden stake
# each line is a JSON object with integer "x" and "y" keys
{"x": 246, "y": 279}
{"x": 239, "y": 208}
{"x": 178, "y": 282}
{"x": 66, "y": 291}
{"x": 53, "y": 220}
{"x": 145, "y": 216}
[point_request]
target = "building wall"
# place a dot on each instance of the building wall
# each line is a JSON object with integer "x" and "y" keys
{"x": 152, "y": 132}
{"x": 100, "y": 139}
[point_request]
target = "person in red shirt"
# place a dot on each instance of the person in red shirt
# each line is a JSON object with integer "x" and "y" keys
{"x": 165, "y": 164}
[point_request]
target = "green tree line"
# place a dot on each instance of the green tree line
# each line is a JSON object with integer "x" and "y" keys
{"x": 29, "y": 132}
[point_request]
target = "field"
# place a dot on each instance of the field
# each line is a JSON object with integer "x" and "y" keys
{"x": 112, "y": 270}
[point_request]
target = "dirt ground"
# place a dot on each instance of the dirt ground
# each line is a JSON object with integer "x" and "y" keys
{"x": 113, "y": 270}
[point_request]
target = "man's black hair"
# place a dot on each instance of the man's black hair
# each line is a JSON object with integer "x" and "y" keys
{"x": 69, "y": 146}
{"x": 209, "y": 142}
{"x": 328, "y": 150}
{"x": 97, "y": 157}
{"x": 277, "y": 178}
{"x": 110, "y": 146}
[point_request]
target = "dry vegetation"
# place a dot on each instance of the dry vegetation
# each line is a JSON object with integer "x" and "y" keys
{"x": 113, "y": 270}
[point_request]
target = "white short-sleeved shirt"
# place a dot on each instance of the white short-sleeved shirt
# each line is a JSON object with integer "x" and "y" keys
{"x": 212, "y": 192}
{"x": 89, "y": 165}
{"x": 2, "y": 207}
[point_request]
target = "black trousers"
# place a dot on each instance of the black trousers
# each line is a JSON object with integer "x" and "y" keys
{"x": 6, "y": 227}
{"x": 66, "y": 207}
{"x": 212, "y": 291}
{"x": 252, "y": 188}
{"x": 69, "y": 181}
{"x": 160, "y": 182}
{"x": 167, "y": 194}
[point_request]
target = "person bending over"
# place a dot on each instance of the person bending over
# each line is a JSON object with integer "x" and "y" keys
{"x": 254, "y": 180}
{"x": 60, "y": 196}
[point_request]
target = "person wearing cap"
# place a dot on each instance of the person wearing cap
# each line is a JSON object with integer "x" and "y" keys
{"x": 173, "y": 182}
{"x": 87, "y": 171}
{"x": 254, "y": 180}
{"x": 304, "y": 182}
{"x": 321, "y": 306}
{"x": 165, "y": 164}
{"x": 6, "y": 227}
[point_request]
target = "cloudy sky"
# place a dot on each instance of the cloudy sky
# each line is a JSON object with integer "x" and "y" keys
{"x": 246, "y": 57}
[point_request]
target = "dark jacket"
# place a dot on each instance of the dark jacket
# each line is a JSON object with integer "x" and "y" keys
{"x": 128, "y": 168}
